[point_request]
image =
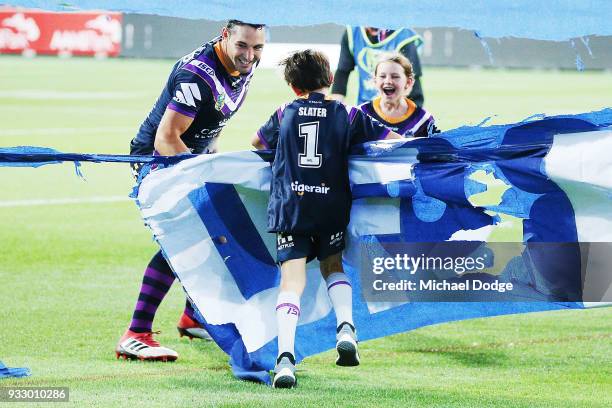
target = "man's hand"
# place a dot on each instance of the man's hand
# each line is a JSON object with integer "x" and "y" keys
{"x": 168, "y": 137}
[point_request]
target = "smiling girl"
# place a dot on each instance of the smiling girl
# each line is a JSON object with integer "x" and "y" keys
{"x": 394, "y": 79}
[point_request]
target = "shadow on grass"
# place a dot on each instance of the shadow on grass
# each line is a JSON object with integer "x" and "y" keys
{"x": 330, "y": 392}
{"x": 473, "y": 358}
{"x": 469, "y": 354}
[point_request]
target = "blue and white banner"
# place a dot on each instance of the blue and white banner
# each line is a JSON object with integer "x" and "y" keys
{"x": 540, "y": 181}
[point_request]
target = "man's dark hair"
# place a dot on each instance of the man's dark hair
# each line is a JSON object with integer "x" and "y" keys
{"x": 307, "y": 70}
{"x": 235, "y": 23}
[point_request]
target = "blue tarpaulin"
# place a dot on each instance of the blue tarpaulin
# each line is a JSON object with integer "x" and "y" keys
{"x": 537, "y": 19}
{"x": 13, "y": 372}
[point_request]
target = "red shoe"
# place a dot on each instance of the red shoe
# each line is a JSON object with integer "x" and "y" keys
{"x": 190, "y": 328}
{"x": 143, "y": 346}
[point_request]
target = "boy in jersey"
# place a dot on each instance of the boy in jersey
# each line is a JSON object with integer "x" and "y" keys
{"x": 310, "y": 199}
{"x": 203, "y": 91}
{"x": 394, "y": 80}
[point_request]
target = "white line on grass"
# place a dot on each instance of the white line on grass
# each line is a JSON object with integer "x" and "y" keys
{"x": 42, "y": 94}
{"x": 62, "y": 201}
{"x": 63, "y": 131}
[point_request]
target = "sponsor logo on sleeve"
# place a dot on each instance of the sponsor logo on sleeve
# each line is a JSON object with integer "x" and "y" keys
{"x": 188, "y": 94}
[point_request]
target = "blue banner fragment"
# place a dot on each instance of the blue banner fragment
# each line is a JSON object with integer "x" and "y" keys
{"x": 33, "y": 156}
{"x": 6, "y": 372}
{"x": 537, "y": 19}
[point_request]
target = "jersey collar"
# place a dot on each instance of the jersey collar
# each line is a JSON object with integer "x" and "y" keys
{"x": 391, "y": 120}
{"x": 314, "y": 96}
{"x": 224, "y": 60}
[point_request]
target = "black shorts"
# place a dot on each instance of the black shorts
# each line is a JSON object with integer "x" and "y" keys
{"x": 296, "y": 246}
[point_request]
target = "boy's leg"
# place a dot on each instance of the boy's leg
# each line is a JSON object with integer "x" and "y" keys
{"x": 292, "y": 251}
{"x": 137, "y": 341}
{"x": 293, "y": 280}
{"x": 338, "y": 288}
{"x": 341, "y": 295}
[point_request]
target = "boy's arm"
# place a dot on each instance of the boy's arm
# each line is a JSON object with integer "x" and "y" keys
{"x": 365, "y": 129}
{"x": 267, "y": 135}
{"x": 256, "y": 142}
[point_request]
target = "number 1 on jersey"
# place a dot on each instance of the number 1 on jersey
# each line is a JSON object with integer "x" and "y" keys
{"x": 310, "y": 157}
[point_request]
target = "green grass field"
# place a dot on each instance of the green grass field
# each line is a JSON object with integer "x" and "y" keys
{"x": 70, "y": 273}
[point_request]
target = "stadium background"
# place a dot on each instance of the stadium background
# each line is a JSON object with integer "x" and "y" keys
{"x": 72, "y": 251}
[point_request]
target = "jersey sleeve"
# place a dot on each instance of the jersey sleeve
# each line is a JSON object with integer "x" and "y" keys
{"x": 432, "y": 129}
{"x": 268, "y": 133}
{"x": 189, "y": 93}
{"x": 363, "y": 128}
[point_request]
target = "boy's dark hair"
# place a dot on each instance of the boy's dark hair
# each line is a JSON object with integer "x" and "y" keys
{"x": 307, "y": 70}
{"x": 235, "y": 23}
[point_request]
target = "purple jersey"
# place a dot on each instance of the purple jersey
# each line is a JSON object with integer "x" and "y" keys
{"x": 200, "y": 87}
{"x": 310, "y": 192}
{"x": 417, "y": 122}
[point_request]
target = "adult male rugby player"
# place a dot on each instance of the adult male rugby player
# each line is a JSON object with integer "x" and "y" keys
{"x": 204, "y": 90}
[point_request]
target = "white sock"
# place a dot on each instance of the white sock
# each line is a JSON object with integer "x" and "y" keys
{"x": 341, "y": 295}
{"x": 287, "y": 314}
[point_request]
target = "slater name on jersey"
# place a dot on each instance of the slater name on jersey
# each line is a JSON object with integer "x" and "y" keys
{"x": 306, "y": 111}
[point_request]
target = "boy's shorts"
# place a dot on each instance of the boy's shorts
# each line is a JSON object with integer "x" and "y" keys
{"x": 296, "y": 246}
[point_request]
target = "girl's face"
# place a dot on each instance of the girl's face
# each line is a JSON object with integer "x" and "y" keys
{"x": 391, "y": 81}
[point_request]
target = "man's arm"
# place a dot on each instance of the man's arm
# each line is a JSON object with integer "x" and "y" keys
{"x": 346, "y": 64}
{"x": 168, "y": 137}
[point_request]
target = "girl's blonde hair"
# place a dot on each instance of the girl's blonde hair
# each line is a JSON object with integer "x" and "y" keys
{"x": 398, "y": 59}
